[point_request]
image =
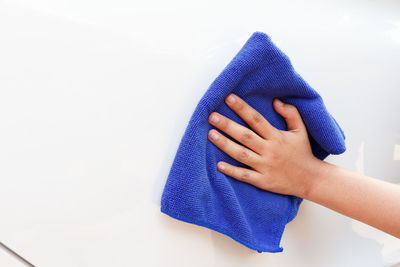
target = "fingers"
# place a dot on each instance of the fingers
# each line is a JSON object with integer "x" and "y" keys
{"x": 291, "y": 114}
{"x": 237, "y": 131}
{"x": 236, "y": 151}
{"x": 239, "y": 173}
{"x": 251, "y": 116}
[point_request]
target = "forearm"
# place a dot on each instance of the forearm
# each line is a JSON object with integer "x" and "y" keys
{"x": 360, "y": 197}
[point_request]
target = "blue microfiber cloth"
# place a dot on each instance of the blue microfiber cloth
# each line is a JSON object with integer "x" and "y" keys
{"x": 196, "y": 192}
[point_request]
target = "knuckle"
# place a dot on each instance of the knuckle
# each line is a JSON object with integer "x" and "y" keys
{"x": 292, "y": 109}
{"x": 245, "y": 176}
{"x": 257, "y": 118}
{"x": 231, "y": 172}
{"x": 246, "y": 137}
{"x": 243, "y": 154}
{"x": 222, "y": 141}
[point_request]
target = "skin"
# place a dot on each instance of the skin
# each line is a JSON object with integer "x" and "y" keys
{"x": 282, "y": 162}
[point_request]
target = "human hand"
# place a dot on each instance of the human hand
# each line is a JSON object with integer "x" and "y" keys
{"x": 280, "y": 160}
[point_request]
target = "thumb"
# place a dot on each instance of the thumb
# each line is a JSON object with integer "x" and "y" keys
{"x": 291, "y": 114}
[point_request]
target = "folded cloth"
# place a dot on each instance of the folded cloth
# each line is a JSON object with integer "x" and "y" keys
{"x": 196, "y": 192}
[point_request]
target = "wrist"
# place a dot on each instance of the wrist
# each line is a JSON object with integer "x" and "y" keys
{"x": 310, "y": 177}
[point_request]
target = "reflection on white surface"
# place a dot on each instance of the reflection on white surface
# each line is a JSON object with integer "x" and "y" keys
{"x": 396, "y": 152}
{"x": 390, "y": 245}
{"x": 95, "y": 97}
{"x": 395, "y": 32}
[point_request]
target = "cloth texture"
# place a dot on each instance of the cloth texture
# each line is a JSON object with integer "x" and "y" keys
{"x": 196, "y": 192}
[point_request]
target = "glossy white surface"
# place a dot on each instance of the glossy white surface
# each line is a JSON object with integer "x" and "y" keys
{"x": 9, "y": 260}
{"x": 95, "y": 97}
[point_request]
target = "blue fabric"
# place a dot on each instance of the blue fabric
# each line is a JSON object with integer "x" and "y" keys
{"x": 196, "y": 192}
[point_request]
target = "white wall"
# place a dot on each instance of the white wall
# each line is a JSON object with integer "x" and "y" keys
{"x": 95, "y": 97}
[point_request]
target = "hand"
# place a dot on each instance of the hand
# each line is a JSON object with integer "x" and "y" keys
{"x": 278, "y": 160}
{"x": 282, "y": 162}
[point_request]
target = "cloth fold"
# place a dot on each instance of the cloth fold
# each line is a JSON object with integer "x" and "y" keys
{"x": 196, "y": 192}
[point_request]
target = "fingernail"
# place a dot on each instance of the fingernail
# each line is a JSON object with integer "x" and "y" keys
{"x": 213, "y": 135}
{"x": 279, "y": 103}
{"x": 214, "y": 118}
{"x": 231, "y": 99}
{"x": 221, "y": 166}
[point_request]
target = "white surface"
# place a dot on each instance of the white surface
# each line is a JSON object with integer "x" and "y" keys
{"x": 9, "y": 258}
{"x": 95, "y": 97}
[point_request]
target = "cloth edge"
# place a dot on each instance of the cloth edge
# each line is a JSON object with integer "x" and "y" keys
{"x": 223, "y": 231}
